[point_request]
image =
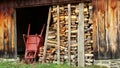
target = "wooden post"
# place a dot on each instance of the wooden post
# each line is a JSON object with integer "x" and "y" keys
{"x": 69, "y": 32}
{"x": 10, "y": 38}
{"x": 81, "y": 36}
{"x": 15, "y": 33}
{"x": 58, "y": 36}
{"x": 47, "y": 30}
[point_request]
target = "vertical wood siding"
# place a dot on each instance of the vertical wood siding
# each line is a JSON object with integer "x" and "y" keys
{"x": 6, "y": 30}
{"x": 106, "y": 29}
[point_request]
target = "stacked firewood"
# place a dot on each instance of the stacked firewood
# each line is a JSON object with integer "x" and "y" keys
{"x": 63, "y": 22}
{"x": 63, "y": 33}
{"x": 40, "y": 53}
{"x": 51, "y": 55}
{"x": 52, "y": 42}
{"x": 88, "y": 26}
{"x": 74, "y": 34}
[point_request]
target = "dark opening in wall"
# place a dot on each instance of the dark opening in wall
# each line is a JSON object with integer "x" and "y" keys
{"x": 36, "y": 17}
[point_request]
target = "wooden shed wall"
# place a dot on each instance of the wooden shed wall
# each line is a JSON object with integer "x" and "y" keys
{"x": 105, "y": 17}
{"x": 106, "y": 21}
{"x": 7, "y": 25}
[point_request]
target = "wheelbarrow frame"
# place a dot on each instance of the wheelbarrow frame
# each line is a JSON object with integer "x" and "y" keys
{"x": 32, "y": 45}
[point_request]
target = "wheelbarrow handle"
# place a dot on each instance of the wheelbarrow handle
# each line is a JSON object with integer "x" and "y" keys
{"x": 28, "y": 30}
{"x": 42, "y": 30}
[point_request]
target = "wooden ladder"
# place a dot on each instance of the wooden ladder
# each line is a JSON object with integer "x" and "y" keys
{"x": 49, "y": 35}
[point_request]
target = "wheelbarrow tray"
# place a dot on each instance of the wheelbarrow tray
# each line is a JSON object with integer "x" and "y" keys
{"x": 32, "y": 44}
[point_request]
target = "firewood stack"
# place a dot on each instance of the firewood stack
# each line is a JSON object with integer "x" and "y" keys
{"x": 63, "y": 33}
{"x": 40, "y": 53}
{"x": 74, "y": 33}
{"x": 88, "y": 26}
{"x": 51, "y": 54}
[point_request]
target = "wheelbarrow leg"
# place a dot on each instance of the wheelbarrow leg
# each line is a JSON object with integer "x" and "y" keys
{"x": 29, "y": 60}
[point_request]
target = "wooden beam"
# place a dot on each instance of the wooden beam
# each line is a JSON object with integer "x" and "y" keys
{"x": 58, "y": 36}
{"x": 69, "y": 32}
{"x": 31, "y": 3}
{"x": 47, "y": 30}
{"x": 81, "y": 36}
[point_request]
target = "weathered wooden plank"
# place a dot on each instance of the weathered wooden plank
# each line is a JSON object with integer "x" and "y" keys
{"x": 58, "y": 35}
{"x": 47, "y": 30}
{"x": 100, "y": 21}
{"x": 81, "y": 36}
{"x": 94, "y": 3}
{"x": 101, "y": 28}
{"x": 118, "y": 21}
{"x": 1, "y": 32}
{"x": 112, "y": 20}
{"x": 9, "y": 12}
{"x": 118, "y": 26}
{"x": 108, "y": 54}
{"x": 6, "y": 34}
{"x": 98, "y": 35}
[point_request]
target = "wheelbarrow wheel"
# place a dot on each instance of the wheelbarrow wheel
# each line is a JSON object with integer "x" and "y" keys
{"x": 29, "y": 61}
{"x": 30, "y": 54}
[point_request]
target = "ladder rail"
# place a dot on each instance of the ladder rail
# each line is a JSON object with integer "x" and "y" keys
{"x": 47, "y": 30}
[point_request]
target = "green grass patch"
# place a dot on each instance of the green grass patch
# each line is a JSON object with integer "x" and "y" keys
{"x": 39, "y": 65}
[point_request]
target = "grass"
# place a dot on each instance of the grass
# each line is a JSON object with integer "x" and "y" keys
{"x": 38, "y": 65}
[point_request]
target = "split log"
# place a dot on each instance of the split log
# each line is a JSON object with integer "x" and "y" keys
{"x": 51, "y": 37}
{"x": 51, "y": 41}
{"x": 88, "y": 29}
{"x": 73, "y": 31}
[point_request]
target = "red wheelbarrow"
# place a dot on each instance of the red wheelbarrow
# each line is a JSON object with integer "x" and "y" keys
{"x": 32, "y": 45}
